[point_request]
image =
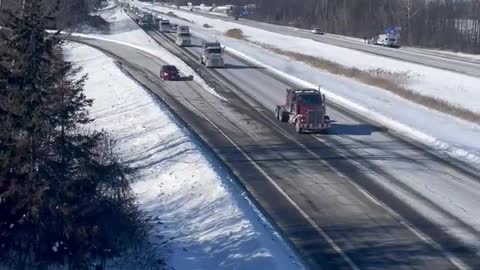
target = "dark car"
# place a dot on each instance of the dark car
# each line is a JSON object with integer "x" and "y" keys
{"x": 317, "y": 31}
{"x": 169, "y": 73}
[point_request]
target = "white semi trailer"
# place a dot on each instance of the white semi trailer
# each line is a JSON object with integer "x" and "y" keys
{"x": 212, "y": 54}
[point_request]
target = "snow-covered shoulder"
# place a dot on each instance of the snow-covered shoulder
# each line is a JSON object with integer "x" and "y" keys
{"x": 202, "y": 218}
{"x": 123, "y": 30}
{"x": 443, "y": 132}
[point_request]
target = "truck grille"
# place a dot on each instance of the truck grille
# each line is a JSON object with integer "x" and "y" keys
{"x": 315, "y": 117}
{"x": 216, "y": 62}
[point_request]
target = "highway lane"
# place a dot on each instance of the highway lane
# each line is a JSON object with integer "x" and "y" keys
{"x": 383, "y": 157}
{"x": 313, "y": 174}
{"x": 443, "y": 61}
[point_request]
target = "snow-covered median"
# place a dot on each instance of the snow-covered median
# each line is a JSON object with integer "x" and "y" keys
{"x": 202, "y": 219}
{"x": 446, "y": 133}
{"x": 123, "y": 30}
{"x": 457, "y": 89}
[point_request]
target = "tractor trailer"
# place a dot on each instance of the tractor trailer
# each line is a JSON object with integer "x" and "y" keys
{"x": 212, "y": 54}
{"x": 305, "y": 109}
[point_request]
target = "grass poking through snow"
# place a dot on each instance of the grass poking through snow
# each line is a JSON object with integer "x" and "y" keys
{"x": 235, "y": 33}
{"x": 394, "y": 82}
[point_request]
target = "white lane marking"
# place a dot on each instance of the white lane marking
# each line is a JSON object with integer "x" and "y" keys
{"x": 457, "y": 262}
{"x": 451, "y": 257}
{"x": 345, "y": 257}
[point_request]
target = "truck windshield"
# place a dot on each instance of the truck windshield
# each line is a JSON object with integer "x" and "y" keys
{"x": 310, "y": 99}
{"x": 184, "y": 34}
{"x": 214, "y": 50}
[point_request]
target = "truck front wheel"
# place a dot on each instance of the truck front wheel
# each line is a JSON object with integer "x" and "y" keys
{"x": 278, "y": 113}
{"x": 298, "y": 128}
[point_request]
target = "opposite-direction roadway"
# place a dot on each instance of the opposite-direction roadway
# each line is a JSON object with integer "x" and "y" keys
{"x": 452, "y": 62}
{"x": 324, "y": 193}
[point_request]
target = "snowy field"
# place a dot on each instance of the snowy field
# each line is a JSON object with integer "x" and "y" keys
{"x": 202, "y": 218}
{"x": 126, "y": 32}
{"x": 110, "y": 5}
{"x": 447, "y": 196}
{"x": 423, "y": 79}
{"x": 448, "y": 134}
{"x": 221, "y": 11}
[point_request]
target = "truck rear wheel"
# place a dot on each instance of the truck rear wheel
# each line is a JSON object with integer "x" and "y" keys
{"x": 281, "y": 115}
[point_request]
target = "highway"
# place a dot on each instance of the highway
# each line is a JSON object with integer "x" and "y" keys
{"x": 450, "y": 62}
{"x": 323, "y": 192}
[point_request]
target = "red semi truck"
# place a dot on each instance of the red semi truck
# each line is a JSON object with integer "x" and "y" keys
{"x": 306, "y": 109}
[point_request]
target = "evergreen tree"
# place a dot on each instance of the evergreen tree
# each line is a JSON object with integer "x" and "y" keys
{"x": 64, "y": 196}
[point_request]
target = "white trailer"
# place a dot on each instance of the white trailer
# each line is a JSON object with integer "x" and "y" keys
{"x": 388, "y": 40}
{"x": 165, "y": 26}
{"x": 183, "y": 39}
{"x": 183, "y": 29}
{"x": 212, "y": 54}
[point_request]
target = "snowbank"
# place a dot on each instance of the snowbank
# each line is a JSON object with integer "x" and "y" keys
{"x": 124, "y": 31}
{"x": 455, "y": 88}
{"x": 443, "y": 132}
{"x": 111, "y": 5}
{"x": 203, "y": 8}
{"x": 202, "y": 220}
{"x": 381, "y": 119}
{"x": 450, "y": 201}
{"x": 466, "y": 56}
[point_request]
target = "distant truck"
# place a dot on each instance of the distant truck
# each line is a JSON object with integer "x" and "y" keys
{"x": 234, "y": 11}
{"x": 389, "y": 38}
{"x": 147, "y": 20}
{"x": 183, "y": 39}
{"x": 165, "y": 26}
{"x": 182, "y": 29}
{"x": 183, "y": 36}
{"x": 212, "y": 54}
{"x": 305, "y": 109}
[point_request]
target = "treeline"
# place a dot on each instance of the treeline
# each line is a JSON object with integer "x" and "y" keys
{"x": 445, "y": 24}
{"x": 68, "y": 13}
{"x": 65, "y": 198}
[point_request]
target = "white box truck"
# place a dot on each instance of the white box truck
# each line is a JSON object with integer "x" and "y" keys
{"x": 212, "y": 54}
{"x": 165, "y": 26}
{"x": 389, "y": 38}
{"x": 183, "y": 39}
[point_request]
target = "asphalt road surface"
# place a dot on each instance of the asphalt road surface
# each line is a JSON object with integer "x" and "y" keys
{"x": 322, "y": 192}
{"x": 445, "y": 61}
